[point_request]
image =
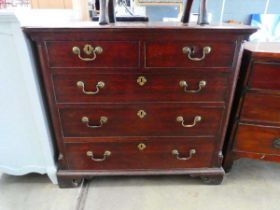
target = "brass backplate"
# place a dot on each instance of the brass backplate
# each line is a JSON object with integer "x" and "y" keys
{"x": 141, "y": 146}
{"x": 141, "y": 80}
{"x": 88, "y": 49}
{"x": 141, "y": 114}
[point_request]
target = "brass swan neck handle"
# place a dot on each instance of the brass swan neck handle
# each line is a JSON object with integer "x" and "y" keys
{"x": 201, "y": 85}
{"x": 99, "y": 85}
{"x": 196, "y": 120}
{"x": 176, "y": 153}
{"x": 103, "y": 120}
{"x": 92, "y": 156}
{"x": 189, "y": 51}
{"x": 89, "y": 50}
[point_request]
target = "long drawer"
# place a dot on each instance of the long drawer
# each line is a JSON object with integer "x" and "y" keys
{"x": 258, "y": 138}
{"x": 98, "y": 88}
{"x": 265, "y": 76}
{"x": 140, "y": 120}
{"x": 90, "y": 54}
{"x": 156, "y": 154}
{"x": 261, "y": 108}
{"x": 189, "y": 54}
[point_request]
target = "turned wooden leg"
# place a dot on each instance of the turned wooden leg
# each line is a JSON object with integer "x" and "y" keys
{"x": 213, "y": 179}
{"x": 69, "y": 182}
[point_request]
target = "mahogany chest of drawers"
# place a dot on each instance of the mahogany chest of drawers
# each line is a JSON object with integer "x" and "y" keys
{"x": 141, "y": 99}
{"x": 254, "y": 130}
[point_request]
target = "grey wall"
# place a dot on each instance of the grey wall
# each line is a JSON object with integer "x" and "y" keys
{"x": 238, "y": 10}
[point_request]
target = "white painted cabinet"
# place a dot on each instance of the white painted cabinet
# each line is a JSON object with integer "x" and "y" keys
{"x": 25, "y": 141}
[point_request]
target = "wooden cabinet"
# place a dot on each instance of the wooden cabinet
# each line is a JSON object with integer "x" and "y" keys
{"x": 139, "y": 99}
{"x": 255, "y": 120}
{"x": 51, "y": 4}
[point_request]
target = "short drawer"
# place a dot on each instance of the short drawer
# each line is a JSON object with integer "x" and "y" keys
{"x": 93, "y": 54}
{"x": 140, "y": 120}
{"x": 258, "y": 139}
{"x": 261, "y": 108}
{"x": 189, "y": 54}
{"x": 98, "y": 88}
{"x": 265, "y": 76}
{"x": 155, "y": 154}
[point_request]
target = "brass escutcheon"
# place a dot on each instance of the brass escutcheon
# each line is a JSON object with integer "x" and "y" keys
{"x": 141, "y": 113}
{"x": 141, "y": 146}
{"x": 88, "y": 49}
{"x": 141, "y": 80}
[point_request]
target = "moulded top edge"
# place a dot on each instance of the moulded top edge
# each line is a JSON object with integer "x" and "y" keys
{"x": 136, "y": 25}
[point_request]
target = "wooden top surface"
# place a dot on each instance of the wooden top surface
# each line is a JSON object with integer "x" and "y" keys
{"x": 135, "y": 25}
{"x": 263, "y": 49}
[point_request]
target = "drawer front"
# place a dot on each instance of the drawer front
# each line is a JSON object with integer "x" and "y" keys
{"x": 174, "y": 54}
{"x": 265, "y": 76}
{"x": 84, "y": 88}
{"x": 260, "y": 139}
{"x": 140, "y": 120}
{"x": 109, "y": 54}
{"x": 140, "y": 155}
{"x": 261, "y": 108}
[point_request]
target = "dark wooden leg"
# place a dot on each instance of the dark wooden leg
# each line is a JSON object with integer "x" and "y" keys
{"x": 228, "y": 162}
{"x": 187, "y": 12}
{"x": 213, "y": 179}
{"x": 69, "y": 182}
{"x": 228, "y": 166}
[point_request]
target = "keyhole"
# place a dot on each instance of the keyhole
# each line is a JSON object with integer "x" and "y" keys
{"x": 141, "y": 80}
{"x": 88, "y": 49}
{"x": 141, "y": 146}
{"x": 141, "y": 114}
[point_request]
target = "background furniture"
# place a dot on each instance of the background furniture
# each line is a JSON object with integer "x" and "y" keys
{"x": 254, "y": 131}
{"x": 139, "y": 99}
{"x": 25, "y": 141}
{"x": 51, "y": 4}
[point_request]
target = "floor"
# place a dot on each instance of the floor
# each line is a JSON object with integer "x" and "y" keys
{"x": 251, "y": 185}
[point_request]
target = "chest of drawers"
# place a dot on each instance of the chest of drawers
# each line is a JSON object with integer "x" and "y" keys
{"x": 139, "y": 99}
{"x": 254, "y": 131}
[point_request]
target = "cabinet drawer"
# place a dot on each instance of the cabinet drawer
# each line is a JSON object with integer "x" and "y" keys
{"x": 265, "y": 76}
{"x": 140, "y": 155}
{"x": 256, "y": 138}
{"x": 85, "y": 88}
{"x": 140, "y": 120}
{"x": 261, "y": 108}
{"x": 112, "y": 54}
{"x": 171, "y": 54}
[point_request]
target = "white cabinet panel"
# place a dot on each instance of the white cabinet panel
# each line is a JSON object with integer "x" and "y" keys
{"x": 25, "y": 141}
